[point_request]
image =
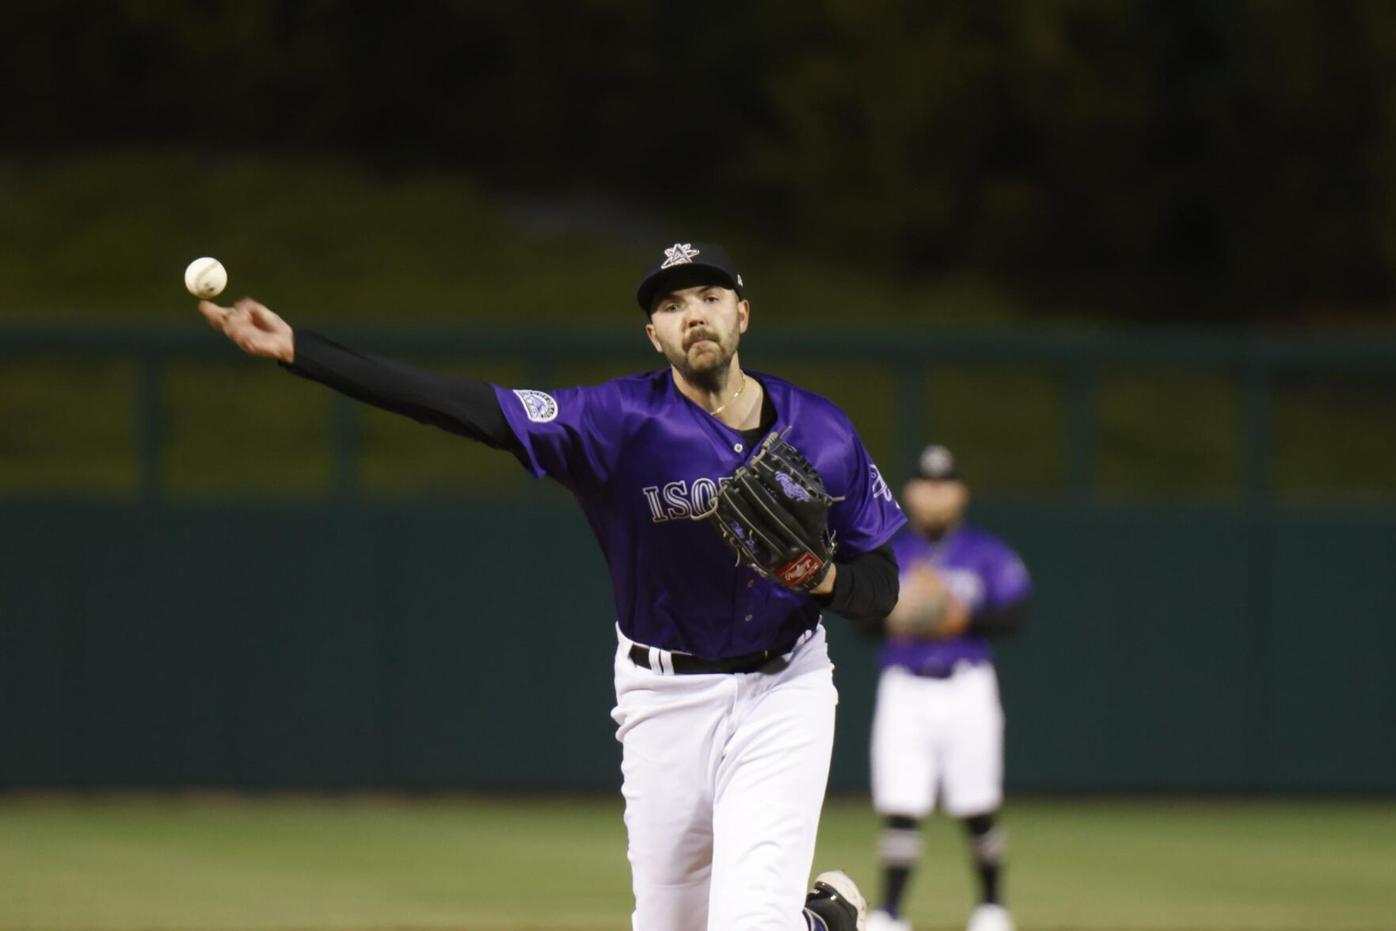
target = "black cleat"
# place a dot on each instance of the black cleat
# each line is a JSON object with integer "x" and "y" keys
{"x": 837, "y": 902}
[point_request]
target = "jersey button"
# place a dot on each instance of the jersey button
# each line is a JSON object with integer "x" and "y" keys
{"x": 737, "y": 448}
{"x": 747, "y": 618}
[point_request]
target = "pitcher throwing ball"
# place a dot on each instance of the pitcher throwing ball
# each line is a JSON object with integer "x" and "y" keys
{"x": 733, "y": 508}
{"x": 938, "y": 726}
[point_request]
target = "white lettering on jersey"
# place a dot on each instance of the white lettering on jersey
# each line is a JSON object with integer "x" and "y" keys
{"x": 540, "y": 406}
{"x": 880, "y": 488}
{"x": 704, "y": 491}
{"x": 656, "y": 510}
{"x": 676, "y": 497}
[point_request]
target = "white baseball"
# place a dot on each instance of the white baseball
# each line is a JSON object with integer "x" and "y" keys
{"x": 206, "y": 277}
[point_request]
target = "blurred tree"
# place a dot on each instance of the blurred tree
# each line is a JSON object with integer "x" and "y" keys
{"x": 1228, "y": 160}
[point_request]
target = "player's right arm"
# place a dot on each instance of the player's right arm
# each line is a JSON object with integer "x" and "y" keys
{"x": 464, "y": 406}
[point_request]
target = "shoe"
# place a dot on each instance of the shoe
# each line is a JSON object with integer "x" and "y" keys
{"x": 837, "y": 902}
{"x": 881, "y": 921}
{"x": 989, "y": 917}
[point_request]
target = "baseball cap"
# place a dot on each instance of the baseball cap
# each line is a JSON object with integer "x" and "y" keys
{"x": 937, "y": 464}
{"x": 694, "y": 262}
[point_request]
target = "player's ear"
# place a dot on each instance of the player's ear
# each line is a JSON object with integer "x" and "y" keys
{"x": 743, "y": 315}
{"x": 654, "y": 340}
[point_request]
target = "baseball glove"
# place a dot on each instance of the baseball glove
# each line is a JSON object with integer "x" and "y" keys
{"x": 922, "y": 607}
{"x": 927, "y": 608}
{"x": 774, "y": 514}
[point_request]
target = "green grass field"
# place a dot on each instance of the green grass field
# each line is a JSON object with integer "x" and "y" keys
{"x": 498, "y": 864}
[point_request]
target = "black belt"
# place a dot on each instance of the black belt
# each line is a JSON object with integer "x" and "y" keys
{"x": 685, "y": 664}
{"x": 943, "y": 672}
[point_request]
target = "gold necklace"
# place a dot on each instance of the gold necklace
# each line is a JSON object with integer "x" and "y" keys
{"x": 723, "y": 406}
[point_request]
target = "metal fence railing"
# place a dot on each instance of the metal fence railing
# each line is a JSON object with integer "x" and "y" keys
{"x": 1254, "y": 362}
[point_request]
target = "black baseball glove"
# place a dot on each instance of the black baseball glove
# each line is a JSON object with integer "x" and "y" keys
{"x": 774, "y": 514}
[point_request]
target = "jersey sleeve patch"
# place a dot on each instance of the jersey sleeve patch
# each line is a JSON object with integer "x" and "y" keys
{"x": 540, "y": 406}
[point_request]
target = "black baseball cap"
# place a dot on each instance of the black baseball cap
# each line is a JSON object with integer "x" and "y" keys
{"x": 936, "y": 464}
{"x": 687, "y": 265}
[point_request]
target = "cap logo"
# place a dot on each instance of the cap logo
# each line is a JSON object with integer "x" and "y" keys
{"x": 680, "y": 253}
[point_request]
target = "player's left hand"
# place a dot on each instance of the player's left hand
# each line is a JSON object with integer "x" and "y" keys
{"x": 826, "y": 585}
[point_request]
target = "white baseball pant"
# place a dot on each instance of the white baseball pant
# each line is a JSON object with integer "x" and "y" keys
{"x": 724, "y": 779}
{"x": 937, "y": 736}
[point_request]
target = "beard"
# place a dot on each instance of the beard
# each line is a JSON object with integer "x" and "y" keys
{"x": 933, "y": 529}
{"x": 934, "y": 523}
{"x": 704, "y": 357}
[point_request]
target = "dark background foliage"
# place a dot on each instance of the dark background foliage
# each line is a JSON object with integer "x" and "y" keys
{"x": 1140, "y": 158}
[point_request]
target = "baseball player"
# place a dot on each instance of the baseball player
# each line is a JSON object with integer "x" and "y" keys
{"x": 724, "y": 689}
{"x": 938, "y": 725}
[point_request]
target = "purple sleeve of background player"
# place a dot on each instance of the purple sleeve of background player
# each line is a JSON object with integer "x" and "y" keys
{"x": 570, "y": 434}
{"x": 1006, "y": 579}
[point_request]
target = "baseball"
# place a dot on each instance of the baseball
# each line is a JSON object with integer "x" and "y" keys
{"x": 206, "y": 277}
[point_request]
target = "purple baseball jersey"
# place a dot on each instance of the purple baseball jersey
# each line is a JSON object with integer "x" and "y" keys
{"x": 980, "y": 570}
{"x": 642, "y": 459}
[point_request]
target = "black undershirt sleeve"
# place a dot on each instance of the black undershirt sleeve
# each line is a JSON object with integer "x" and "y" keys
{"x": 458, "y": 404}
{"x": 866, "y": 587}
{"x": 999, "y": 622}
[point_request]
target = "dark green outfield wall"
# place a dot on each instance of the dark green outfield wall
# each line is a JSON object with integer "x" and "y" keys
{"x": 469, "y": 646}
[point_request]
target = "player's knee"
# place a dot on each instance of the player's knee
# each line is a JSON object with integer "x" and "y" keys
{"x": 981, "y": 823}
{"x": 987, "y": 841}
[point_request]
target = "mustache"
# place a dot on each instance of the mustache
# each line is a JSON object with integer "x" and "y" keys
{"x": 697, "y": 335}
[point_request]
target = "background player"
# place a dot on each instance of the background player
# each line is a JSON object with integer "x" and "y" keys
{"x": 724, "y": 689}
{"x": 938, "y": 725}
